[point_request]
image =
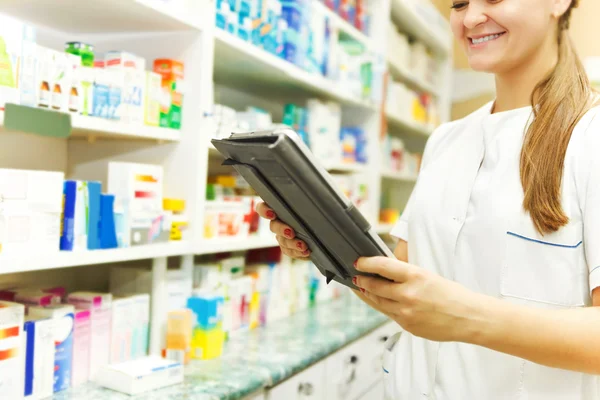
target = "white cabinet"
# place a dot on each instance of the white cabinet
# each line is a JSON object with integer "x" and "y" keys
{"x": 352, "y": 373}
{"x": 376, "y": 392}
{"x": 307, "y": 385}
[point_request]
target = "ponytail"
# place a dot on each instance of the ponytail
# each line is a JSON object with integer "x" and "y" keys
{"x": 559, "y": 102}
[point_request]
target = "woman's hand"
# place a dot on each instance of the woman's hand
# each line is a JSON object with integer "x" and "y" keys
{"x": 284, "y": 234}
{"x": 423, "y": 303}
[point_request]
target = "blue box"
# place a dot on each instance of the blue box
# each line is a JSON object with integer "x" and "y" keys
{"x": 107, "y": 230}
{"x": 63, "y": 338}
{"x": 94, "y": 192}
{"x": 67, "y": 234}
{"x": 207, "y": 310}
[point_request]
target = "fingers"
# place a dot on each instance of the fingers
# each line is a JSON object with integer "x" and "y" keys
{"x": 370, "y": 303}
{"x": 390, "y": 268}
{"x": 293, "y": 248}
{"x": 264, "y": 211}
{"x": 281, "y": 229}
{"x": 386, "y": 306}
{"x": 383, "y": 288}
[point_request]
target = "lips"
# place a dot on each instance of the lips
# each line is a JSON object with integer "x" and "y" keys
{"x": 481, "y": 39}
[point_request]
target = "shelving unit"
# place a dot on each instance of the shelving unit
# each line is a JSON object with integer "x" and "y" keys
{"x": 250, "y": 68}
{"x": 398, "y": 176}
{"x": 384, "y": 229}
{"x": 106, "y": 16}
{"x": 402, "y": 74}
{"x": 407, "y": 126}
{"x": 151, "y": 29}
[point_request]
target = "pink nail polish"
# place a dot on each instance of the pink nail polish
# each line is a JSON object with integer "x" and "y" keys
{"x": 299, "y": 245}
{"x": 354, "y": 280}
{"x": 270, "y": 215}
{"x": 288, "y": 233}
{"x": 362, "y": 290}
{"x": 306, "y": 252}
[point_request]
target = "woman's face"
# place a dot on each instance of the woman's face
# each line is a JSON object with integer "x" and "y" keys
{"x": 499, "y": 35}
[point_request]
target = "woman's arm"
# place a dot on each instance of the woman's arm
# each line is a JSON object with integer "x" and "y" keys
{"x": 567, "y": 339}
{"x": 435, "y": 308}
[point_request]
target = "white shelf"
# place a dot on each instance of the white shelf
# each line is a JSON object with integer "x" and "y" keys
{"x": 401, "y": 73}
{"x": 409, "y": 18}
{"x": 398, "y": 176}
{"x": 101, "y": 127}
{"x": 348, "y": 168}
{"x": 107, "y": 16}
{"x": 90, "y": 127}
{"x": 61, "y": 259}
{"x": 213, "y": 246}
{"x": 250, "y": 68}
{"x": 384, "y": 229}
{"x": 408, "y": 126}
{"x": 343, "y": 25}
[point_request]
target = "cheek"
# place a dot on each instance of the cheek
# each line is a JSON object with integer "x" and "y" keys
{"x": 457, "y": 26}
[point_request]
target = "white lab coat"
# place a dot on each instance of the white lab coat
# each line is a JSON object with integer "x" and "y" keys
{"x": 465, "y": 221}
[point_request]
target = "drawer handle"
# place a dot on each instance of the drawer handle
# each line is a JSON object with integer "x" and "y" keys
{"x": 384, "y": 338}
{"x": 353, "y": 360}
{"x": 306, "y": 389}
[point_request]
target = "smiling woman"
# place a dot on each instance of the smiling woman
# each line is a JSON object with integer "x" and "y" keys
{"x": 498, "y": 260}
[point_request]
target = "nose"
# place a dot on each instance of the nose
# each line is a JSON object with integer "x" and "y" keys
{"x": 475, "y": 15}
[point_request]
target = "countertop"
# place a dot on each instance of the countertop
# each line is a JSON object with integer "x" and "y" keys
{"x": 260, "y": 358}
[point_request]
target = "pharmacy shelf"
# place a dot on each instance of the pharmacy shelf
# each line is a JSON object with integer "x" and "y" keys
{"x": 408, "y": 126}
{"x": 91, "y": 128}
{"x": 99, "y": 127}
{"x": 346, "y": 168}
{"x": 344, "y": 26}
{"x": 106, "y": 16}
{"x": 242, "y": 65}
{"x": 214, "y": 246}
{"x": 62, "y": 259}
{"x": 402, "y": 74}
{"x": 408, "y": 15}
{"x": 384, "y": 229}
{"x": 398, "y": 176}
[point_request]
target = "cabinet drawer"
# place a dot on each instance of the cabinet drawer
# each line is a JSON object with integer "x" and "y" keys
{"x": 375, "y": 341}
{"x": 307, "y": 385}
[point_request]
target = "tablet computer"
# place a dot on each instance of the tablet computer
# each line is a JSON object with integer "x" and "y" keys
{"x": 284, "y": 173}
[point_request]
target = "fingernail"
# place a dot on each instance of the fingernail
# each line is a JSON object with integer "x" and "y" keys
{"x": 362, "y": 290}
{"x": 288, "y": 233}
{"x": 270, "y": 215}
{"x": 355, "y": 263}
{"x": 306, "y": 252}
{"x": 354, "y": 280}
{"x": 299, "y": 245}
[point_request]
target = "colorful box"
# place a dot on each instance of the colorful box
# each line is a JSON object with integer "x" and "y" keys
{"x": 82, "y": 339}
{"x": 101, "y": 92}
{"x": 172, "y": 92}
{"x": 207, "y": 309}
{"x": 99, "y": 305}
{"x": 11, "y": 40}
{"x": 179, "y": 335}
{"x": 138, "y": 192}
{"x": 12, "y": 353}
{"x": 207, "y": 344}
{"x": 39, "y": 358}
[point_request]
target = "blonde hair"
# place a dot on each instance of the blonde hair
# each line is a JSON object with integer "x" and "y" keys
{"x": 560, "y": 101}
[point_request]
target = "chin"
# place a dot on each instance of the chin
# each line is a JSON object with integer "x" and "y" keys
{"x": 489, "y": 66}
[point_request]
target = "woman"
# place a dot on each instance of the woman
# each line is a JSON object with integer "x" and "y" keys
{"x": 499, "y": 252}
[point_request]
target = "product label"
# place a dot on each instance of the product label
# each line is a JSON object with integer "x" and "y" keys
{"x": 44, "y": 100}
{"x": 63, "y": 339}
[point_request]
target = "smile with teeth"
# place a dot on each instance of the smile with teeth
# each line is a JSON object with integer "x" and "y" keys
{"x": 486, "y": 38}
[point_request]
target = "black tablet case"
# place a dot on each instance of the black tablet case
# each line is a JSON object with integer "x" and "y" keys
{"x": 282, "y": 170}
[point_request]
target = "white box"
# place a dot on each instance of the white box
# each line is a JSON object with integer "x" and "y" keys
{"x": 31, "y": 210}
{"x": 139, "y": 376}
{"x": 12, "y": 364}
{"x": 141, "y": 329}
{"x": 138, "y": 190}
{"x": 121, "y": 337}
{"x": 39, "y": 365}
{"x": 11, "y": 33}
{"x": 100, "y": 306}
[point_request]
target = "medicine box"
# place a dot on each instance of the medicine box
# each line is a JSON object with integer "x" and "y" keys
{"x": 121, "y": 338}
{"x": 11, "y": 39}
{"x": 32, "y": 206}
{"x": 82, "y": 337}
{"x": 12, "y": 353}
{"x": 100, "y": 308}
{"x": 172, "y": 92}
{"x": 138, "y": 190}
{"x": 39, "y": 357}
{"x": 152, "y": 98}
{"x": 140, "y": 376}
{"x": 64, "y": 322}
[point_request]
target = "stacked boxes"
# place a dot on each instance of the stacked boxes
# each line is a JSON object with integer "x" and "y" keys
{"x": 207, "y": 335}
